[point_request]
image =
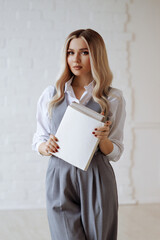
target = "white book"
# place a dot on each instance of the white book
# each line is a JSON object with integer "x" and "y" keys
{"x": 75, "y": 139}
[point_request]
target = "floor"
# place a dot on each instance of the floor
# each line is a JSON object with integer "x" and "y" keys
{"x": 136, "y": 222}
{"x": 139, "y": 222}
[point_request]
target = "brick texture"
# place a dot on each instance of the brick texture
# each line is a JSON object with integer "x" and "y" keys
{"x": 31, "y": 37}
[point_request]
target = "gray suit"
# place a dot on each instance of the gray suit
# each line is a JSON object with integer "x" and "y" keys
{"x": 81, "y": 205}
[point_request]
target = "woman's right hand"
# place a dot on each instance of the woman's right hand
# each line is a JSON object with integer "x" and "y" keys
{"x": 49, "y": 147}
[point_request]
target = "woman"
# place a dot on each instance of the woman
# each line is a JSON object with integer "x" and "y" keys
{"x": 82, "y": 205}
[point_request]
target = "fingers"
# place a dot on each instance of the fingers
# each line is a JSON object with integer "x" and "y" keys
{"x": 51, "y": 144}
{"x": 102, "y": 132}
{"x": 107, "y": 123}
{"x": 102, "y": 129}
{"x": 105, "y": 128}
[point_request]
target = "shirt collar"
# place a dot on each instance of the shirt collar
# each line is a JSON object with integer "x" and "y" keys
{"x": 89, "y": 86}
{"x": 68, "y": 85}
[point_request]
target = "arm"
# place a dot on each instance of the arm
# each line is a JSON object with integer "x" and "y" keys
{"x": 105, "y": 145}
{"x": 42, "y": 136}
{"x": 111, "y": 137}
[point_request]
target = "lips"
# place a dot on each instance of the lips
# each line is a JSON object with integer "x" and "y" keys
{"x": 77, "y": 67}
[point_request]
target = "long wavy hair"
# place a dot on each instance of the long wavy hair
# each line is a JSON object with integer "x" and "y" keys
{"x": 100, "y": 69}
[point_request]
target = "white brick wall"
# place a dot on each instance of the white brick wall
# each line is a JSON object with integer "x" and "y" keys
{"x": 31, "y": 36}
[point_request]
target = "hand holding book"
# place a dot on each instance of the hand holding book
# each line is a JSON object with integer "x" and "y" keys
{"x": 76, "y": 141}
{"x": 105, "y": 145}
{"x": 52, "y": 145}
{"x": 102, "y": 132}
{"x": 49, "y": 147}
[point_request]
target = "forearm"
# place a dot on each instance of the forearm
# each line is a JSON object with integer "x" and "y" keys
{"x": 106, "y": 146}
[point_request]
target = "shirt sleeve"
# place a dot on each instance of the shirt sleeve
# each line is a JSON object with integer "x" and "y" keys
{"x": 43, "y": 121}
{"x": 118, "y": 115}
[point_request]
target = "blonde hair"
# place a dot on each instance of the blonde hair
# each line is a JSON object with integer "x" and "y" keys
{"x": 100, "y": 69}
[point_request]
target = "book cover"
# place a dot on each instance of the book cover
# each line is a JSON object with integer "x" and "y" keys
{"x": 76, "y": 141}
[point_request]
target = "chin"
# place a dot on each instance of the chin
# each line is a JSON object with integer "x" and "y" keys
{"x": 77, "y": 74}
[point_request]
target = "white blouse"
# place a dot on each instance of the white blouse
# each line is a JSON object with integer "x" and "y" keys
{"x": 116, "y": 116}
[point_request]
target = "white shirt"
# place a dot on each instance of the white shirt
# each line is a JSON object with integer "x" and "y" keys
{"x": 116, "y": 116}
{"x": 86, "y": 96}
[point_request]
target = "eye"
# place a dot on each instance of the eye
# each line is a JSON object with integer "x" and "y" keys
{"x": 85, "y": 53}
{"x": 70, "y": 52}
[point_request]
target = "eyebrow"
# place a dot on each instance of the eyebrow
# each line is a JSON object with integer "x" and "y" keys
{"x": 79, "y": 49}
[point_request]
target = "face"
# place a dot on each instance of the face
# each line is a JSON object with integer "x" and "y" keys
{"x": 78, "y": 57}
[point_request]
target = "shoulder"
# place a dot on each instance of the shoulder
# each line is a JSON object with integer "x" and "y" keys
{"x": 47, "y": 94}
{"x": 115, "y": 93}
{"x": 116, "y": 100}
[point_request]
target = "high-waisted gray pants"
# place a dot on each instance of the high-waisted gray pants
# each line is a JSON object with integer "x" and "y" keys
{"x": 81, "y": 205}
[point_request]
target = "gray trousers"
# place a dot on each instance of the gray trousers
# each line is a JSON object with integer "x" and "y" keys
{"x": 81, "y": 205}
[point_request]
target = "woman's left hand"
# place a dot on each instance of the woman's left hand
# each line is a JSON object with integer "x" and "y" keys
{"x": 102, "y": 132}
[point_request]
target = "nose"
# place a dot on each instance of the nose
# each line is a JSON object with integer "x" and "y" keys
{"x": 76, "y": 58}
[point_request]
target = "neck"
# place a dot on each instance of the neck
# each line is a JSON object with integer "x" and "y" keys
{"x": 81, "y": 81}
